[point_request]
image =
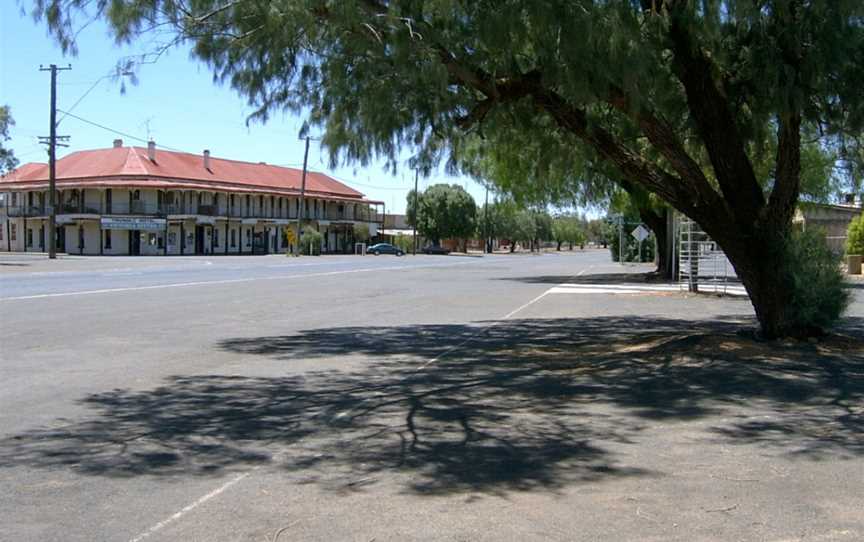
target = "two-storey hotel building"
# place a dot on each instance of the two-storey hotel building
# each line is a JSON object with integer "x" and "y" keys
{"x": 149, "y": 201}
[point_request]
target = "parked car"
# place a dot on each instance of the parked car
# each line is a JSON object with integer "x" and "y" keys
{"x": 432, "y": 249}
{"x": 384, "y": 248}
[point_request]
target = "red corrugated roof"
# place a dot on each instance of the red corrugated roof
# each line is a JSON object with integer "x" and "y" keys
{"x": 132, "y": 165}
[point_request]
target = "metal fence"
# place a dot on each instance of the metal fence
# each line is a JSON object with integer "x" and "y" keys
{"x": 701, "y": 264}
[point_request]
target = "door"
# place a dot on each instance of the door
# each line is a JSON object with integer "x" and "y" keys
{"x": 60, "y": 238}
{"x": 108, "y": 198}
{"x": 199, "y": 239}
{"x": 259, "y": 242}
{"x": 134, "y": 242}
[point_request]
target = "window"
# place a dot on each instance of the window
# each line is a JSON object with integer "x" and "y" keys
{"x": 108, "y": 239}
{"x": 233, "y": 238}
{"x": 136, "y": 195}
{"x": 13, "y": 232}
{"x": 14, "y": 199}
{"x": 29, "y": 237}
{"x": 151, "y": 239}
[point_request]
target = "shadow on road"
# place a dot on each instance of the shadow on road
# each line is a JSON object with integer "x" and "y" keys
{"x": 522, "y": 405}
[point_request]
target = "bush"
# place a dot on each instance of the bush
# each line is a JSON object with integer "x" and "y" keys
{"x": 404, "y": 243}
{"x": 855, "y": 236}
{"x": 819, "y": 296}
{"x": 631, "y": 247}
{"x": 310, "y": 242}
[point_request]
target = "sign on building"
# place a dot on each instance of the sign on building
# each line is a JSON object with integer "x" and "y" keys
{"x": 133, "y": 223}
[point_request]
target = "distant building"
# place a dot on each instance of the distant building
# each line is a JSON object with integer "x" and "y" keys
{"x": 140, "y": 200}
{"x": 833, "y": 220}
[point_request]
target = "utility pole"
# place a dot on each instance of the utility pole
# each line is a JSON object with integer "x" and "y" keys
{"x": 487, "y": 242}
{"x": 52, "y": 161}
{"x": 302, "y": 194}
{"x": 416, "y": 209}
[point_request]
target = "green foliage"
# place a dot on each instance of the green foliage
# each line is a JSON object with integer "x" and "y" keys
{"x": 706, "y": 105}
{"x": 442, "y": 212}
{"x": 598, "y": 231}
{"x": 361, "y": 233}
{"x": 631, "y": 245}
{"x": 855, "y": 236}
{"x": 310, "y": 242}
{"x": 568, "y": 229}
{"x": 404, "y": 243}
{"x": 819, "y": 295}
{"x": 8, "y": 162}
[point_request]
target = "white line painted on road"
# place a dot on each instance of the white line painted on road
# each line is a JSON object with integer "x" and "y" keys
{"x": 486, "y": 328}
{"x": 191, "y": 506}
{"x": 229, "y": 281}
{"x": 735, "y": 291}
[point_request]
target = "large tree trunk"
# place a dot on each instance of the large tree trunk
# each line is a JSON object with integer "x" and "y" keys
{"x": 656, "y": 222}
{"x": 761, "y": 261}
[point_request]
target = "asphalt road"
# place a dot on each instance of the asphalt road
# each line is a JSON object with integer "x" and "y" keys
{"x": 349, "y": 398}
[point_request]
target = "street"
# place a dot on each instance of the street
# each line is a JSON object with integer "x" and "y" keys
{"x": 413, "y": 398}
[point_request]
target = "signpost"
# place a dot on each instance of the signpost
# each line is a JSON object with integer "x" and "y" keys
{"x": 640, "y": 233}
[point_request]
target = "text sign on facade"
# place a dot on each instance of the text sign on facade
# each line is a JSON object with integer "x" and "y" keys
{"x": 121, "y": 223}
{"x": 640, "y": 233}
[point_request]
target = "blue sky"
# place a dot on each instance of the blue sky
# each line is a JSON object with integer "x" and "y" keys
{"x": 175, "y": 102}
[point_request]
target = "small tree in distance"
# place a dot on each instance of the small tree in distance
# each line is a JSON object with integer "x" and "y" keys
{"x": 442, "y": 212}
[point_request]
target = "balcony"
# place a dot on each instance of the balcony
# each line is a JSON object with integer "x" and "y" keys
{"x": 77, "y": 209}
{"x": 26, "y": 211}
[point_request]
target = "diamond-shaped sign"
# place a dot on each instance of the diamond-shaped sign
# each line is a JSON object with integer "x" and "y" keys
{"x": 640, "y": 233}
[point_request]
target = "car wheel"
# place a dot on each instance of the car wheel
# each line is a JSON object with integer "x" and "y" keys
{"x": 400, "y": 253}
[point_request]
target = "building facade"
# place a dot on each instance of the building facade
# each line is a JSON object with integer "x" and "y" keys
{"x": 149, "y": 201}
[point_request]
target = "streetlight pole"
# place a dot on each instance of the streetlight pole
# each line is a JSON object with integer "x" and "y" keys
{"x": 487, "y": 244}
{"x": 416, "y": 202}
{"x": 302, "y": 194}
{"x": 52, "y": 162}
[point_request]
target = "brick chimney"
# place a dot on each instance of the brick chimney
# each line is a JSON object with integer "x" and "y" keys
{"x": 118, "y": 143}
{"x": 151, "y": 150}
{"x": 207, "y": 159}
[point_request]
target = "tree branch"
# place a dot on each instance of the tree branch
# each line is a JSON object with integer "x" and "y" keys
{"x": 714, "y": 120}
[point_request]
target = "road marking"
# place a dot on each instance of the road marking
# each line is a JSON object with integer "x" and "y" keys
{"x": 620, "y": 289}
{"x": 229, "y": 281}
{"x": 192, "y": 506}
{"x": 489, "y": 326}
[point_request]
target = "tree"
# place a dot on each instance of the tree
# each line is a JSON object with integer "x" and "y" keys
{"x": 567, "y": 229}
{"x": 361, "y": 233}
{"x": 8, "y": 162}
{"x": 855, "y": 236}
{"x": 675, "y": 96}
{"x": 442, "y": 212}
{"x": 498, "y": 220}
{"x": 310, "y": 242}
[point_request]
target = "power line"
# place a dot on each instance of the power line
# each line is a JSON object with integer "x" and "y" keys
{"x": 118, "y": 132}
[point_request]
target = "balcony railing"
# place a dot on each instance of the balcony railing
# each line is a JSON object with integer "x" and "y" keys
{"x": 76, "y": 208}
{"x": 142, "y": 208}
{"x": 26, "y": 210}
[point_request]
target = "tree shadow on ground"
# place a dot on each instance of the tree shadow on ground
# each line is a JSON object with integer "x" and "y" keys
{"x": 519, "y": 405}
